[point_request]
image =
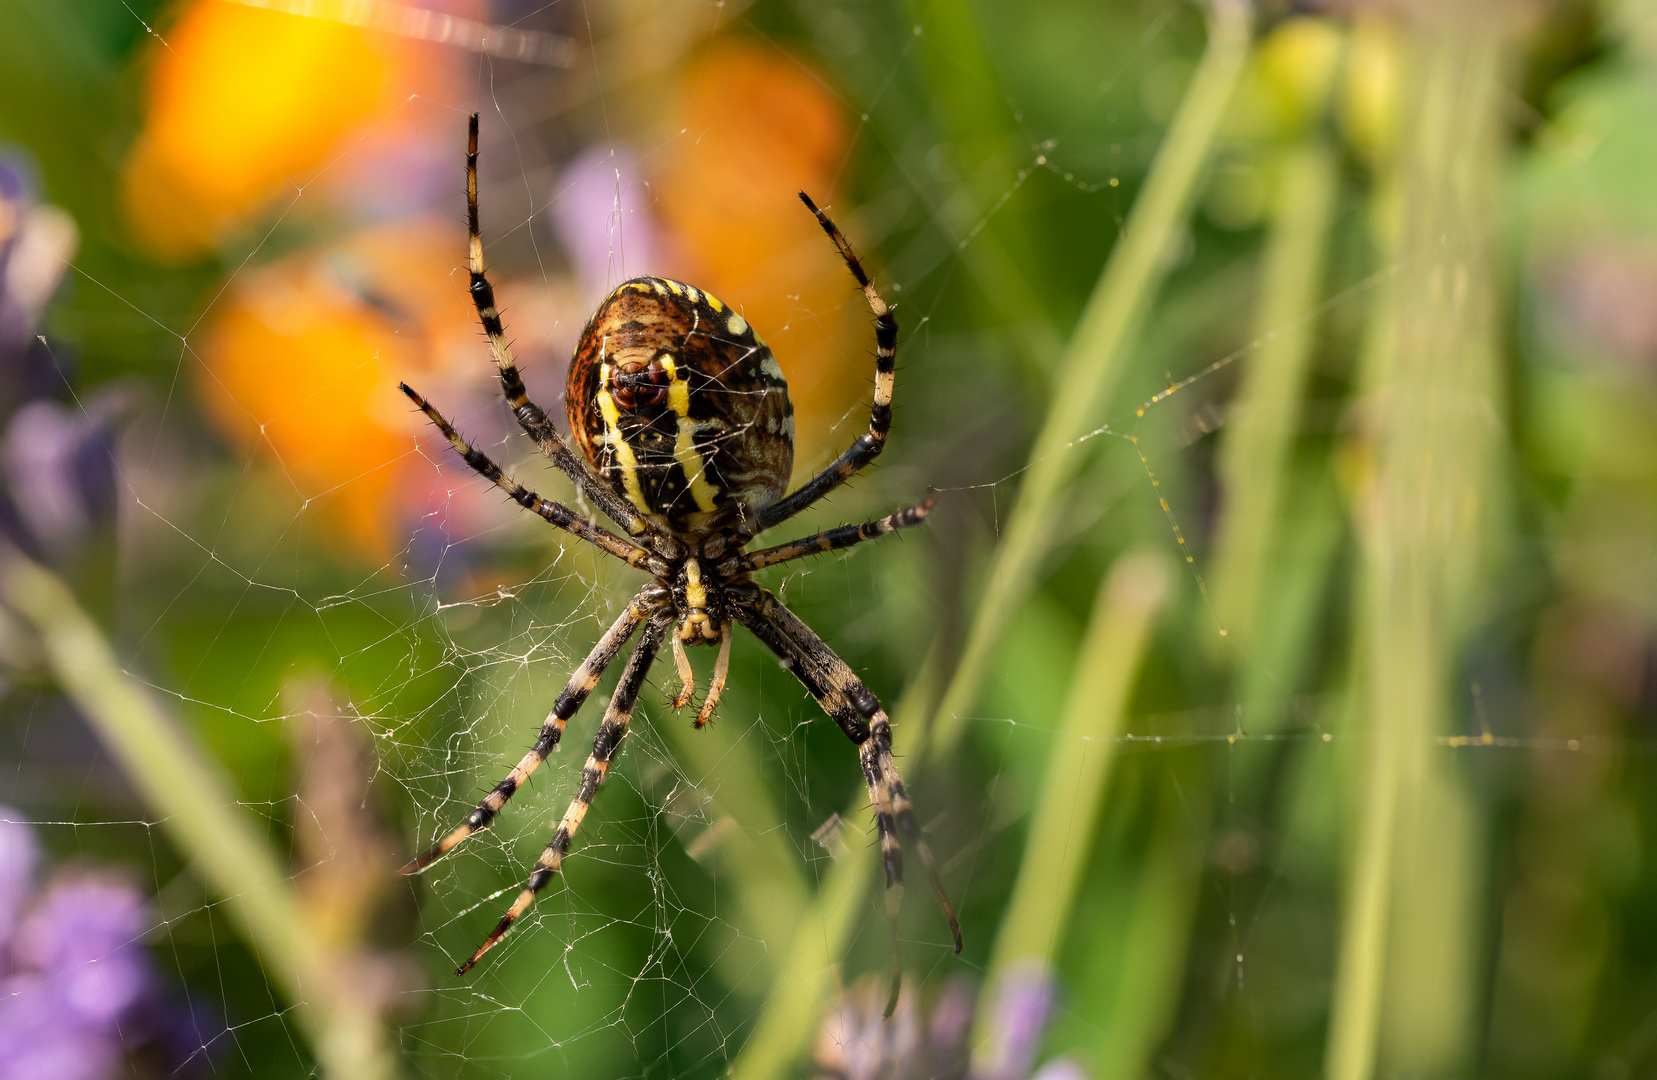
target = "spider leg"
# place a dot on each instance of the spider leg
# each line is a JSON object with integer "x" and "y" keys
{"x": 857, "y": 711}
{"x": 605, "y": 744}
{"x": 560, "y": 515}
{"x": 645, "y": 603}
{"x": 830, "y": 539}
{"x": 530, "y": 416}
{"x": 869, "y": 444}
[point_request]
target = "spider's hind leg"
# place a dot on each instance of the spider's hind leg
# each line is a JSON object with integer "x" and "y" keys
{"x": 552, "y": 729}
{"x": 605, "y": 744}
{"x": 857, "y": 712}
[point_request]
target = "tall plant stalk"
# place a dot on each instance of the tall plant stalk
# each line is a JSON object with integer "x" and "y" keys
{"x": 1255, "y": 454}
{"x": 199, "y": 812}
{"x": 1073, "y": 789}
{"x": 923, "y": 725}
{"x": 1425, "y": 513}
{"x": 1093, "y": 360}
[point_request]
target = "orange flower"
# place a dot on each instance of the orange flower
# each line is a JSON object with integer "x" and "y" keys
{"x": 302, "y": 361}
{"x": 242, "y": 103}
{"x": 756, "y": 127}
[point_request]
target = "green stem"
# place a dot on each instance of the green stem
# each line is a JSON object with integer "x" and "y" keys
{"x": 1078, "y": 768}
{"x": 1255, "y": 453}
{"x": 1132, "y": 275}
{"x": 762, "y": 866}
{"x": 1424, "y": 521}
{"x": 198, "y": 809}
{"x": 1157, "y": 932}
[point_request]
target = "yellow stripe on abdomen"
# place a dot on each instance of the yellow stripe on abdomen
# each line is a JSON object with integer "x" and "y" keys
{"x": 612, "y": 436}
{"x": 684, "y": 444}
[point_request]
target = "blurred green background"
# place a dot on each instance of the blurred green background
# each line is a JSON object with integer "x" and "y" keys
{"x": 1275, "y": 679}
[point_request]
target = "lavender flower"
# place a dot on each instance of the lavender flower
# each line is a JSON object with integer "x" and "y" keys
{"x": 36, "y": 243}
{"x": 58, "y": 464}
{"x": 80, "y": 993}
{"x": 1024, "y": 1001}
{"x": 55, "y": 462}
{"x": 856, "y": 1043}
{"x": 83, "y": 936}
{"x": 19, "y": 858}
{"x": 602, "y": 213}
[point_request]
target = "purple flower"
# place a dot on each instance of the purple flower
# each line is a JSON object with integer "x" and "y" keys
{"x": 82, "y": 993}
{"x": 602, "y": 213}
{"x": 55, "y": 463}
{"x": 856, "y": 1043}
{"x": 83, "y": 937}
{"x": 36, "y": 244}
{"x": 19, "y": 857}
{"x": 40, "y": 1040}
{"x": 58, "y": 463}
{"x": 1023, "y": 1004}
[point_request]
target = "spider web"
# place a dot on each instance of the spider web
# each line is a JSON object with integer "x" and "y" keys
{"x": 652, "y": 954}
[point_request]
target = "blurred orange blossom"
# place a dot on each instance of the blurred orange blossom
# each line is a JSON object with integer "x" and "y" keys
{"x": 243, "y": 101}
{"x": 755, "y": 127}
{"x": 301, "y": 364}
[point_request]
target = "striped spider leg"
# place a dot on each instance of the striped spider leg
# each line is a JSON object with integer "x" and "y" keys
{"x": 858, "y": 713}
{"x": 647, "y": 603}
{"x": 556, "y": 513}
{"x": 868, "y": 445}
{"x": 531, "y": 417}
{"x": 611, "y": 732}
{"x": 841, "y": 536}
{"x": 652, "y": 603}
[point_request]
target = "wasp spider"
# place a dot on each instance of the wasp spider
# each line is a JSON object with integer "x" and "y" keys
{"x": 684, "y": 420}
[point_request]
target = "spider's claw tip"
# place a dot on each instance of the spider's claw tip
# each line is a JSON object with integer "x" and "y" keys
{"x": 809, "y": 204}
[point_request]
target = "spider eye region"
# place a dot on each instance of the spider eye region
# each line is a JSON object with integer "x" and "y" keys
{"x": 680, "y": 407}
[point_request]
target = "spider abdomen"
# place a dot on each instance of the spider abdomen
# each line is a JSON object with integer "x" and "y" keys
{"x": 680, "y": 407}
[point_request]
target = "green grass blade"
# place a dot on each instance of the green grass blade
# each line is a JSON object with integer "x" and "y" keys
{"x": 1425, "y": 512}
{"x": 1078, "y": 771}
{"x": 1094, "y": 357}
{"x": 199, "y": 812}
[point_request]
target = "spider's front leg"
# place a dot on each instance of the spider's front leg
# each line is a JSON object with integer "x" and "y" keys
{"x": 530, "y": 416}
{"x": 867, "y": 446}
{"x": 555, "y": 513}
{"x": 605, "y": 744}
{"x": 857, "y": 712}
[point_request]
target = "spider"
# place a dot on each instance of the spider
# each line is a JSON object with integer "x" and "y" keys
{"x": 685, "y": 422}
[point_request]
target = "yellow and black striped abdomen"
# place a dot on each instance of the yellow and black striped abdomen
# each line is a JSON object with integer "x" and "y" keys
{"x": 680, "y": 407}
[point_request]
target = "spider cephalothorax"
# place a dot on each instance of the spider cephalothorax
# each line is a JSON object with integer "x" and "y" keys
{"x": 683, "y": 417}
